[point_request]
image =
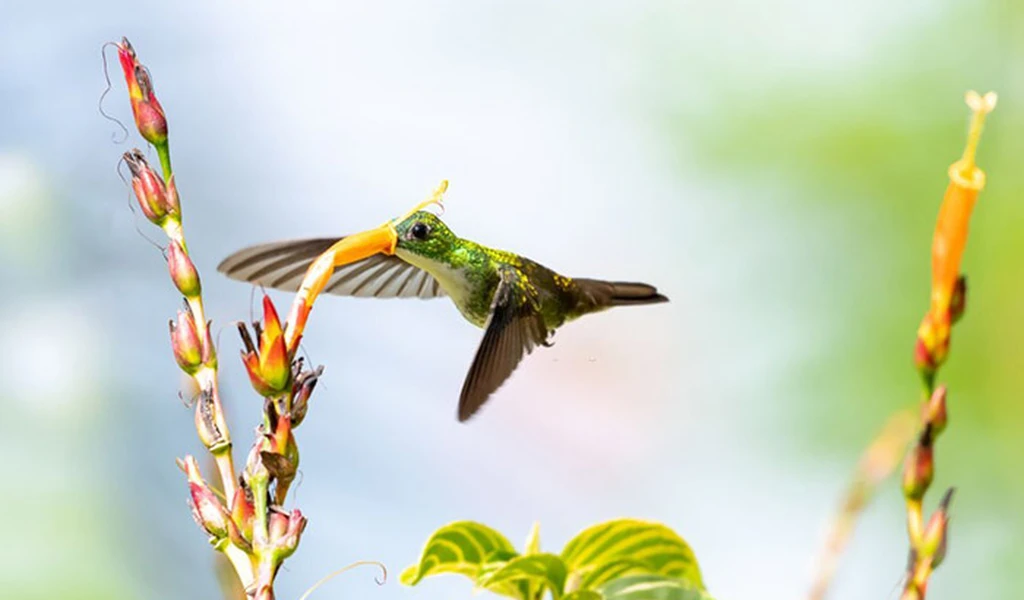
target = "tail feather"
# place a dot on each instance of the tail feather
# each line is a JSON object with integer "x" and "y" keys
{"x": 618, "y": 293}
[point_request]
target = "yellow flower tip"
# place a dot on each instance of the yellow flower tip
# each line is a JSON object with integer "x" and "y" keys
{"x": 436, "y": 198}
{"x": 964, "y": 172}
{"x": 981, "y": 104}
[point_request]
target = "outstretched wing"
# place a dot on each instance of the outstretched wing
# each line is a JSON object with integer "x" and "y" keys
{"x": 282, "y": 265}
{"x": 513, "y": 330}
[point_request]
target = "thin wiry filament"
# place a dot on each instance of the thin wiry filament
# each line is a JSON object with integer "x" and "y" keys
{"x": 359, "y": 563}
{"x": 106, "y": 115}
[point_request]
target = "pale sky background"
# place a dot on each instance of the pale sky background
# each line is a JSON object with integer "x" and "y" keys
{"x": 554, "y": 124}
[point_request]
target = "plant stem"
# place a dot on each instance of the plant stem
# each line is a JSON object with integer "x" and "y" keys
{"x": 206, "y": 377}
{"x": 879, "y": 461}
{"x": 241, "y": 563}
{"x": 164, "y": 152}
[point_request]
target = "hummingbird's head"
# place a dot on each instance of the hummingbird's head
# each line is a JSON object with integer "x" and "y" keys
{"x": 424, "y": 234}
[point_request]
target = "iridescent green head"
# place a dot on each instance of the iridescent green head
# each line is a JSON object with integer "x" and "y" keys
{"x": 424, "y": 234}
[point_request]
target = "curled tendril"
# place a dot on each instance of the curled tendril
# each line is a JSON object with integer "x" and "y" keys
{"x": 383, "y": 578}
{"x": 106, "y": 115}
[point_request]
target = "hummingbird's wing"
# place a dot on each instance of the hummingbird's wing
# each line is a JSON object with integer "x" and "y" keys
{"x": 514, "y": 329}
{"x": 282, "y": 265}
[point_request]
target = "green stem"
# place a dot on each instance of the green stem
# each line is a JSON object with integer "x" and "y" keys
{"x": 240, "y": 561}
{"x": 164, "y": 151}
{"x": 260, "y": 482}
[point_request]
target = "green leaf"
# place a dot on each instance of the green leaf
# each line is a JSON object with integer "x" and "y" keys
{"x": 463, "y": 547}
{"x": 630, "y": 546}
{"x": 538, "y": 571}
{"x": 533, "y": 540}
{"x": 514, "y": 589}
{"x": 651, "y": 587}
{"x": 583, "y": 595}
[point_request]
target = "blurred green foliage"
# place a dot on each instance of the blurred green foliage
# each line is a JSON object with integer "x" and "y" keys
{"x": 592, "y": 565}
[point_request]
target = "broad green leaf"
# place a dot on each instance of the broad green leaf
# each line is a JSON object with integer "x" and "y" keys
{"x": 603, "y": 572}
{"x": 538, "y": 571}
{"x": 463, "y": 547}
{"x": 494, "y": 562}
{"x": 651, "y": 587}
{"x": 630, "y": 546}
{"x": 583, "y": 595}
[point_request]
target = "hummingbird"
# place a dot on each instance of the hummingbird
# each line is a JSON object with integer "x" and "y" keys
{"x": 518, "y": 303}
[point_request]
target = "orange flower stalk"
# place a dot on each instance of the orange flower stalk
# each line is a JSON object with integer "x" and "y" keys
{"x": 948, "y": 292}
{"x": 948, "y": 286}
{"x": 948, "y": 297}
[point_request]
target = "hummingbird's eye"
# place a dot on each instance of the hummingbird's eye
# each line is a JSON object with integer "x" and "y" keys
{"x": 420, "y": 231}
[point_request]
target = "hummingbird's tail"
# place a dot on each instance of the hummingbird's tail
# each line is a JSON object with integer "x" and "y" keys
{"x": 605, "y": 294}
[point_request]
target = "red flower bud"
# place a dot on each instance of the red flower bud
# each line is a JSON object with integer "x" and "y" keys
{"x": 183, "y": 272}
{"x": 188, "y": 350}
{"x": 158, "y": 201}
{"x": 919, "y": 468}
{"x": 149, "y": 115}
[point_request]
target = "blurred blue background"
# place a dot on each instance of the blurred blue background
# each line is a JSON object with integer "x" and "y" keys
{"x": 774, "y": 167}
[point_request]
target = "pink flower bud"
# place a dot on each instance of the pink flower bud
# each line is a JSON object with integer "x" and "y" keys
{"x": 285, "y": 533}
{"x": 206, "y": 508}
{"x": 188, "y": 350}
{"x": 183, "y": 272}
{"x": 157, "y": 201}
{"x": 149, "y": 115}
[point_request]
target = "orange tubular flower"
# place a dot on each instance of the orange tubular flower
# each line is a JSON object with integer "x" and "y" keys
{"x": 149, "y": 115}
{"x": 269, "y": 366}
{"x": 948, "y": 286}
